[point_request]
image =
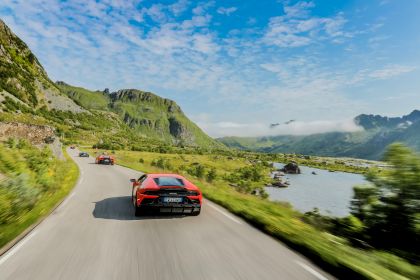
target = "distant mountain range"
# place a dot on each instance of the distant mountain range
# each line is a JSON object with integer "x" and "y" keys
{"x": 26, "y": 91}
{"x": 370, "y": 143}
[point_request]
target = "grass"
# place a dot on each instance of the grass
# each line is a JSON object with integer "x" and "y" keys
{"x": 280, "y": 221}
{"x": 63, "y": 174}
{"x": 224, "y": 164}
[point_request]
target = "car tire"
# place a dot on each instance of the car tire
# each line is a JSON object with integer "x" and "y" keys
{"x": 196, "y": 213}
{"x": 137, "y": 211}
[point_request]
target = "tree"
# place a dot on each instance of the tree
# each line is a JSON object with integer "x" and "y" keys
{"x": 211, "y": 175}
{"x": 197, "y": 170}
{"x": 363, "y": 199}
{"x": 390, "y": 208}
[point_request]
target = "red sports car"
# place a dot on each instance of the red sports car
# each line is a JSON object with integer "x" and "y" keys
{"x": 165, "y": 193}
{"x": 105, "y": 159}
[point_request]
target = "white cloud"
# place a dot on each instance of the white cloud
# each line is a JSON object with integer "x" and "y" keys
{"x": 179, "y": 7}
{"x": 391, "y": 71}
{"x": 226, "y": 11}
{"x": 298, "y": 28}
{"x": 203, "y": 7}
{"x": 220, "y": 129}
{"x": 276, "y": 68}
{"x": 299, "y": 10}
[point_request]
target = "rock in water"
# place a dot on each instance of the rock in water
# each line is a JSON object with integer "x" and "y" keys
{"x": 291, "y": 168}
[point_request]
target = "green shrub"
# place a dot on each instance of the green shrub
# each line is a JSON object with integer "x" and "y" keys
{"x": 196, "y": 169}
{"x": 211, "y": 175}
{"x": 161, "y": 163}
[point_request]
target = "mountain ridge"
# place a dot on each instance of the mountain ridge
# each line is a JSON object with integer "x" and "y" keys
{"x": 147, "y": 113}
{"x": 372, "y": 121}
{"x": 370, "y": 143}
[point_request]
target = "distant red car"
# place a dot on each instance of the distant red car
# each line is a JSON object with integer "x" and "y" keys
{"x": 165, "y": 193}
{"x": 105, "y": 159}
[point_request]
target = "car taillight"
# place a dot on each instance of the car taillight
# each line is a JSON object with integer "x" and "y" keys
{"x": 192, "y": 193}
{"x": 150, "y": 193}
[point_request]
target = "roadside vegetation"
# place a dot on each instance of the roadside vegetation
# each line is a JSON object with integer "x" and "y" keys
{"x": 344, "y": 246}
{"x": 32, "y": 182}
{"x": 385, "y": 214}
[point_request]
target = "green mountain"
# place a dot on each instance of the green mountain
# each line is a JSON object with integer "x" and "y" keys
{"x": 126, "y": 118}
{"x": 378, "y": 132}
{"x": 146, "y": 113}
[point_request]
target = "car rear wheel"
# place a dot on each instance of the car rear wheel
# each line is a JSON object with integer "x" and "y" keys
{"x": 196, "y": 213}
{"x": 137, "y": 211}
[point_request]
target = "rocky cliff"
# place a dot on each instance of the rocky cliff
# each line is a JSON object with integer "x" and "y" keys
{"x": 36, "y": 134}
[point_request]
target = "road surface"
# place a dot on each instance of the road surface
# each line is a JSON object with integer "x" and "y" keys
{"x": 94, "y": 234}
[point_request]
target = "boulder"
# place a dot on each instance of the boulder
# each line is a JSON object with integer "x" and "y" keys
{"x": 279, "y": 184}
{"x": 291, "y": 168}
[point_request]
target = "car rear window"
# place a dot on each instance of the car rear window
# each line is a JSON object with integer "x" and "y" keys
{"x": 168, "y": 181}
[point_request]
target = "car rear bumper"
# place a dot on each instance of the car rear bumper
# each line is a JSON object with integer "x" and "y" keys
{"x": 172, "y": 208}
{"x": 105, "y": 162}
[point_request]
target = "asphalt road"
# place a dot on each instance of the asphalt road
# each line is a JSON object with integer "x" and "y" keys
{"x": 94, "y": 234}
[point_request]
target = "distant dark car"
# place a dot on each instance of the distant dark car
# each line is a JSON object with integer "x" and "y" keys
{"x": 165, "y": 193}
{"x": 83, "y": 154}
{"x": 72, "y": 147}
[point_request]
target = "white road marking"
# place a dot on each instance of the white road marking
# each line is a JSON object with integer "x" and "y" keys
{"x": 224, "y": 213}
{"x": 67, "y": 200}
{"x": 15, "y": 248}
{"x": 311, "y": 270}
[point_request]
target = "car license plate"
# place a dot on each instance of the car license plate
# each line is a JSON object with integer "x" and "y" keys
{"x": 172, "y": 199}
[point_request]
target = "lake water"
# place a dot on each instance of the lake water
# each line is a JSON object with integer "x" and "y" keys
{"x": 330, "y": 192}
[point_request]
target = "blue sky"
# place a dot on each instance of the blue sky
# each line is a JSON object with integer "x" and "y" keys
{"x": 236, "y": 66}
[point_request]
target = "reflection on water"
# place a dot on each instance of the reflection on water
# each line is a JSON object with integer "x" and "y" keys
{"x": 330, "y": 192}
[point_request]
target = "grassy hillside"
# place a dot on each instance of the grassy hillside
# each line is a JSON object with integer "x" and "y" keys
{"x": 145, "y": 113}
{"x": 87, "y": 99}
{"x": 23, "y": 79}
{"x": 19, "y": 68}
